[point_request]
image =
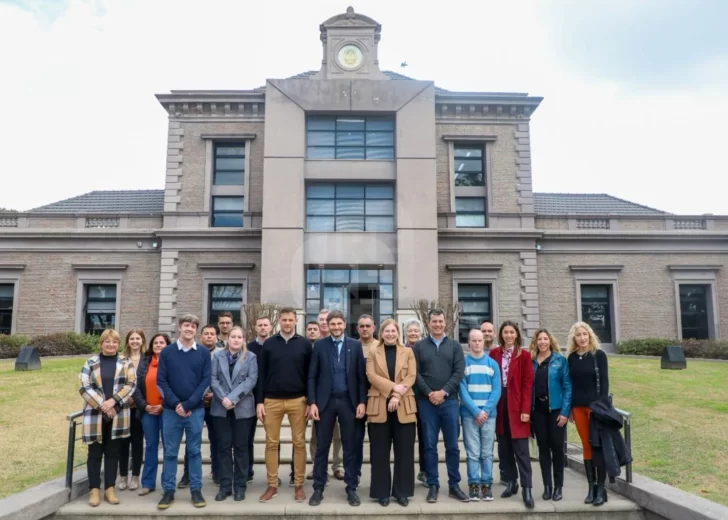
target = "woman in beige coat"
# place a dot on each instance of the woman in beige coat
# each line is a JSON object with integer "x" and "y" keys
{"x": 391, "y": 413}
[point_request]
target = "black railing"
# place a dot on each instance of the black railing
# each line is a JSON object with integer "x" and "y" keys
{"x": 72, "y": 439}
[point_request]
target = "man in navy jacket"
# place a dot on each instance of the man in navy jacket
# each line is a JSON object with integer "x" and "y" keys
{"x": 336, "y": 390}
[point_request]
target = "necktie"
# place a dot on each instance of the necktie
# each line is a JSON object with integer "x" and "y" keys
{"x": 338, "y": 350}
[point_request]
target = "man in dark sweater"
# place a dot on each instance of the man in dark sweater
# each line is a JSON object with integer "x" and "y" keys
{"x": 281, "y": 390}
{"x": 440, "y": 367}
{"x": 183, "y": 377}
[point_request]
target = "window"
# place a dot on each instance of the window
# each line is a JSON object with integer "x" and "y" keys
{"x": 469, "y": 170}
{"x": 353, "y": 138}
{"x": 7, "y": 291}
{"x": 350, "y": 207}
{"x": 469, "y": 212}
{"x": 225, "y": 297}
{"x": 229, "y": 166}
{"x": 227, "y": 211}
{"x": 596, "y": 310}
{"x": 99, "y": 308}
{"x": 476, "y": 301}
{"x": 694, "y": 311}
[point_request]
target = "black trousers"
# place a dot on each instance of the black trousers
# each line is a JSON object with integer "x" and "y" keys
{"x": 513, "y": 452}
{"x": 339, "y": 407}
{"x": 232, "y": 449}
{"x": 420, "y": 444}
{"x": 550, "y": 438}
{"x": 381, "y": 438}
{"x": 136, "y": 442}
{"x": 107, "y": 449}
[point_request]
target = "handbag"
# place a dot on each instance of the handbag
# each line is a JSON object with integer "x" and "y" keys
{"x": 610, "y": 396}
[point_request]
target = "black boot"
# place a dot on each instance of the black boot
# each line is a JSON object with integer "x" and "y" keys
{"x": 557, "y": 494}
{"x": 528, "y": 498}
{"x": 600, "y": 494}
{"x": 547, "y": 492}
{"x": 511, "y": 489}
{"x": 591, "y": 478}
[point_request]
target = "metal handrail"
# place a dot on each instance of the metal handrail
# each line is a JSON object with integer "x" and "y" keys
{"x": 627, "y": 439}
{"x": 71, "y": 453}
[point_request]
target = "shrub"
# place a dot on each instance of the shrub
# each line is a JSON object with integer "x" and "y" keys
{"x": 65, "y": 344}
{"x": 693, "y": 348}
{"x": 10, "y": 345}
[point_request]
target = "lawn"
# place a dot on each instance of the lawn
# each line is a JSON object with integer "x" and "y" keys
{"x": 680, "y": 422}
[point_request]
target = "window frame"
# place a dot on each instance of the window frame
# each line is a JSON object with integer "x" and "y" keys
{"x": 227, "y": 212}
{"x": 14, "y": 282}
{"x": 208, "y": 298}
{"x": 610, "y": 306}
{"x": 697, "y": 275}
{"x": 600, "y": 275}
{"x": 485, "y": 191}
{"x": 336, "y": 198}
{"x": 469, "y": 146}
{"x": 87, "y": 300}
{"x": 477, "y": 275}
{"x": 223, "y": 190}
{"x": 216, "y": 145}
{"x": 489, "y": 299}
{"x": 367, "y": 118}
{"x": 708, "y": 308}
{"x": 97, "y": 275}
{"x": 473, "y": 213}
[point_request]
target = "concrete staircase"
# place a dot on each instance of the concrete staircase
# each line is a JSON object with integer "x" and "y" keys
{"x": 335, "y": 507}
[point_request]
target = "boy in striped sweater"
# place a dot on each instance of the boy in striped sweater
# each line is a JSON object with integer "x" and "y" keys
{"x": 479, "y": 392}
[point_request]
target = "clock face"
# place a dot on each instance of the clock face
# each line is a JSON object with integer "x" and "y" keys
{"x": 350, "y": 57}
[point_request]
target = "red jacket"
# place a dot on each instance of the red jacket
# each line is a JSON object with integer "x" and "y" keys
{"x": 520, "y": 384}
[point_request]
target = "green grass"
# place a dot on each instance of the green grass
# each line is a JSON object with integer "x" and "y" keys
{"x": 679, "y": 422}
{"x": 679, "y": 428}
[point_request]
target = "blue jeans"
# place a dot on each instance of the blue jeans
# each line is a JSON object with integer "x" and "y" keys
{"x": 445, "y": 418}
{"x": 174, "y": 426}
{"x": 479, "y": 442}
{"x": 213, "y": 445}
{"x": 152, "y": 425}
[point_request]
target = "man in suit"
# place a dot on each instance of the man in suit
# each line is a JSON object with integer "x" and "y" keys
{"x": 336, "y": 391}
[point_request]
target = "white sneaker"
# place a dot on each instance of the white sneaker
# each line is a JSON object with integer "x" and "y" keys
{"x": 133, "y": 483}
{"x": 122, "y": 483}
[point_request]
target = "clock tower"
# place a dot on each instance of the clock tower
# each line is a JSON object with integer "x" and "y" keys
{"x": 350, "y": 42}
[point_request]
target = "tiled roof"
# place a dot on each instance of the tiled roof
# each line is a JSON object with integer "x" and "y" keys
{"x": 588, "y": 204}
{"x": 152, "y": 201}
{"x": 388, "y": 73}
{"x": 124, "y": 201}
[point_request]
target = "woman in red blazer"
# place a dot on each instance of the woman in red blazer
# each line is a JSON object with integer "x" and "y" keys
{"x": 513, "y": 418}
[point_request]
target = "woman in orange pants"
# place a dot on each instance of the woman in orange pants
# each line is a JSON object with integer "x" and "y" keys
{"x": 588, "y": 370}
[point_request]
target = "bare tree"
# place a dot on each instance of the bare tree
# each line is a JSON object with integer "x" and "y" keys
{"x": 452, "y": 311}
{"x": 252, "y": 312}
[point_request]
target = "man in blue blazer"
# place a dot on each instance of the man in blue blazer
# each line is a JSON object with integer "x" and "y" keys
{"x": 336, "y": 390}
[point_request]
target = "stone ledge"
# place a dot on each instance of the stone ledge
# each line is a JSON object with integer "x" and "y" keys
{"x": 43, "y": 500}
{"x": 661, "y": 500}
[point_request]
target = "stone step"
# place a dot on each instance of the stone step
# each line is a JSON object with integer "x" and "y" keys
{"x": 335, "y": 507}
{"x": 287, "y": 453}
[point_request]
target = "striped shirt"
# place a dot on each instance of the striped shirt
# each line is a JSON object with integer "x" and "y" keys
{"x": 480, "y": 388}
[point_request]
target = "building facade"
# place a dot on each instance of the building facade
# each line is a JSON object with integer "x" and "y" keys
{"x": 363, "y": 190}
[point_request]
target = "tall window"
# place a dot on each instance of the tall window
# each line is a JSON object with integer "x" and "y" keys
{"x": 469, "y": 212}
{"x": 694, "y": 311}
{"x": 350, "y": 207}
{"x": 596, "y": 310}
{"x": 7, "y": 291}
{"x": 229, "y": 168}
{"x": 100, "y": 308}
{"x": 346, "y": 137}
{"x": 469, "y": 169}
{"x": 225, "y": 297}
{"x": 227, "y": 211}
{"x": 476, "y": 301}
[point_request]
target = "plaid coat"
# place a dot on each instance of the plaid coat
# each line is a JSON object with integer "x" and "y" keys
{"x": 93, "y": 393}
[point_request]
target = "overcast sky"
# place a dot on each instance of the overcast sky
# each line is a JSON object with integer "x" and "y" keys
{"x": 636, "y": 92}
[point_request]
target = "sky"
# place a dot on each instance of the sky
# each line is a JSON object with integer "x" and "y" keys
{"x": 635, "y": 93}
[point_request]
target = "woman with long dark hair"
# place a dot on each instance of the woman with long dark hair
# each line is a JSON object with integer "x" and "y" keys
{"x": 134, "y": 349}
{"x": 551, "y": 409}
{"x": 148, "y": 402}
{"x": 514, "y": 410}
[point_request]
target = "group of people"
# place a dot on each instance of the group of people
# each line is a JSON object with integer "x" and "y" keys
{"x": 405, "y": 385}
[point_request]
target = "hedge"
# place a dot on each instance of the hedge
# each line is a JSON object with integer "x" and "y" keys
{"x": 57, "y": 344}
{"x": 693, "y": 348}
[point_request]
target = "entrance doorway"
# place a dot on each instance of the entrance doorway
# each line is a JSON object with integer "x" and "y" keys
{"x": 352, "y": 291}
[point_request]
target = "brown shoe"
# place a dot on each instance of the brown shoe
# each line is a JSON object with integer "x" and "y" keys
{"x": 94, "y": 498}
{"x": 110, "y": 496}
{"x": 299, "y": 494}
{"x": 339, "y": 474}
{"x": 270, "y": 493}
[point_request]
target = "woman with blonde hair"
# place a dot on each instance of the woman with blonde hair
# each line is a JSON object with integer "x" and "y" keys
{"x": 234, "y": 374}
{"x": 391, "y": 409}
{"x": 551, "y": 408}
{"x": 134, "y": 348}
{"x": 107, "y": 382}
{"x": 588, "y": 369}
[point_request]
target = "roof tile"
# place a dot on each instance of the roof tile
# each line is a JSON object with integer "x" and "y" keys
{"x": 123, "y": 201}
